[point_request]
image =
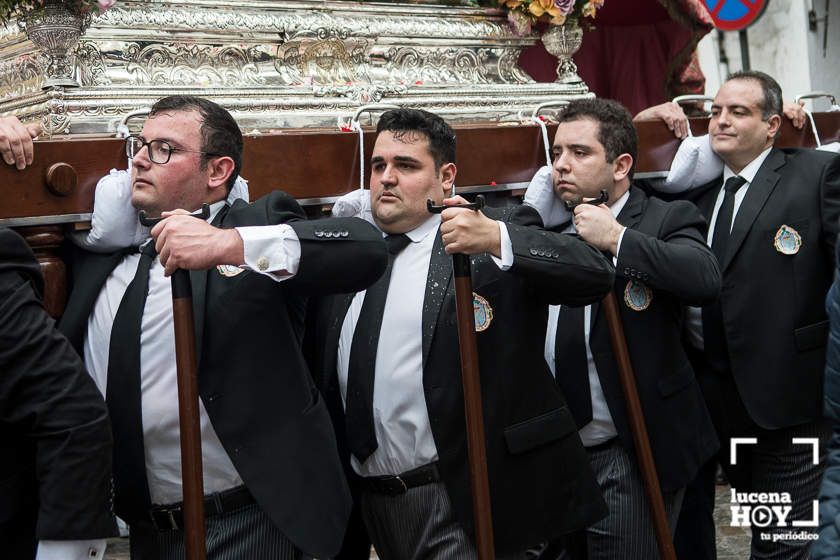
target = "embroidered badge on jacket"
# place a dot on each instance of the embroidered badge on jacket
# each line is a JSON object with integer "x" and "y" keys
{"x": 787, "y": 240}
{"x": 483, "y": 313}
{"x": 637, "y": 296}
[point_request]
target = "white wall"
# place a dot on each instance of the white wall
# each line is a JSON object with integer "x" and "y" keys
{"x": 825, "y": 70}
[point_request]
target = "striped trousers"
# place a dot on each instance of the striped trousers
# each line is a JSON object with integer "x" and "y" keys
{"x": 627, "y": 532}
{"x": 243, "y": 534}
{"x": 417, "y": 525}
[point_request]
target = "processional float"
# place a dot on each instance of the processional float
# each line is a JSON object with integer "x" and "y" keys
{"x": 293, "y": 74}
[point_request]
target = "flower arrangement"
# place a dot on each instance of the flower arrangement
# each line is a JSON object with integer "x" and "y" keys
{"x": 13, "y": 9}
{"x": 522, "y": 14}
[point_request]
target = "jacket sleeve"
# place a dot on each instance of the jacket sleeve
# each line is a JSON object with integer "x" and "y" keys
{"x": 338, "y": 255}
{"x": 559, "y": 268}
{"x": 49, "y": 403}
{"x": 676, "y": 260}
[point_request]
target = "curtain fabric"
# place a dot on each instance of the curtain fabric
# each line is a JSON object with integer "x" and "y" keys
{"x": 640, "y": 53}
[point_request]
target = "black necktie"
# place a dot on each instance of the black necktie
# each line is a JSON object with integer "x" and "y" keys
{"x": 361, "y": 436}
{"x": 714, "y": 336}
{"x": 723, "y": 224}
{"x": 571, "y": 365}
{"x": 131, "y": 489}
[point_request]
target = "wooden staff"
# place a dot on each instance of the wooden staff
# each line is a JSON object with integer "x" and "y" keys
{"x": 192, "y": 478}
{"x": 635, "y": 415}
{"x": 638, "y": 429}
{"x": 473, "y": 410}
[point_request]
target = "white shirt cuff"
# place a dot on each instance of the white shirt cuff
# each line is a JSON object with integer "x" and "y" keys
{"x": 271, "y": 250}
{"x": 618, "y": 245}
{"x": 506, "y": 261}
{"x": 71, "y": 550}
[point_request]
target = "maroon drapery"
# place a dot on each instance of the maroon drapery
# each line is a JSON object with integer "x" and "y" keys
{"x": 641, "y": 52}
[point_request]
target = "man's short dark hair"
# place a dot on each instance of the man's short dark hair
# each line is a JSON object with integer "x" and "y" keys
{"x": 770, "y": 90}
{"x": 440, "y": 135}
{"x": 615, "y": 126}
{"x": 220, "y": 135}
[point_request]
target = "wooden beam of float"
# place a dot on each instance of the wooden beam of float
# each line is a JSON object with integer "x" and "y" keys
{"x": 316, "y": 166}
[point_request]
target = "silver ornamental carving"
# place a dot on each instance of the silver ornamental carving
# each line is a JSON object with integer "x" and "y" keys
{"x": 563, "y": 41}
{"x": 280, "y": 63}
{"x": 56, "y": 31}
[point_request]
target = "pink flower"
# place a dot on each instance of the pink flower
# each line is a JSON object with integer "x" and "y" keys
{"x": 565, "y": 6}
{"x": 105, "y": 4}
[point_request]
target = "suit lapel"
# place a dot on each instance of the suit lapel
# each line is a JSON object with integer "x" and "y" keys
{"x": 437, "y": 285}
{"x": 630, "y": 216}
{"x": 757, "y": 194}
{"x": 704, "y": 198}
{"x": 87, "y": 286}
{"x": 198, "y": 280}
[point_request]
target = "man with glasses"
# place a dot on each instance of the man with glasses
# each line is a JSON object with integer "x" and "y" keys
{"x": 273, "y": 481}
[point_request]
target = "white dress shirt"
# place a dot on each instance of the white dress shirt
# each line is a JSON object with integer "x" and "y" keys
{"x": 400, "y": 415}
{"x": 602, "y": 427}
{"x": 694, "y": 315}
{"x": 158, "y": 371}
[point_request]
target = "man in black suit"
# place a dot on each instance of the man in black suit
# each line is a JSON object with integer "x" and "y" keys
{"x": 55, "y": 438}
{"x": 661, "y": 264}
{"x": 389, "y": 362}
{"x": 272, "y": 475}
{"x": 760, "y": 351}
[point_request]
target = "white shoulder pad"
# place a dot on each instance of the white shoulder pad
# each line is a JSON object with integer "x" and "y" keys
{"x": 540, "y": 195}
{"x": 694, "y": 165}
{"x": 114, "y": 223}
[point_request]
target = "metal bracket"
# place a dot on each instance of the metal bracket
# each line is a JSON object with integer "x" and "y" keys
{"x": 204, "y": 213}
{"x": 477, "y": 205}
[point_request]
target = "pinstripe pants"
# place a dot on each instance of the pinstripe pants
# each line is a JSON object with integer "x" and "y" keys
{"x": 773, "y": 464}
{"x": 243, "y": 534}
{"x": 627, "y": 532}
{"x": 417, "y": 525}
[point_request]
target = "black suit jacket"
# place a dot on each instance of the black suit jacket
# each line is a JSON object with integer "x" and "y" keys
{"x": 774, "y": 304}
{"x": 55, "y": 437}
{"x": 664, "y": 249}
{"x": 541, "y": 485}
{"x": 252, "y": 378}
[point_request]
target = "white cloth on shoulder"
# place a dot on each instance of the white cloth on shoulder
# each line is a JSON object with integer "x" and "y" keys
{"x": 355, "y": 204}
{"x": 833, "y": 147}
{"x": 114, "y": 223}
{"x": 540, "y": 195}
{"x": 694, "y": 165}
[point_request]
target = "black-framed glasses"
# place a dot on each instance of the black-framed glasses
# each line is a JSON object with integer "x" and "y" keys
{"x": 159, "y": 150}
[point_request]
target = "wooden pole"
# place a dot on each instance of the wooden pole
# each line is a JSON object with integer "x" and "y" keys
{"x": 473, "y": 409}
{"x": 638, "y": 429}
{"x": 188, "y": 414}
{"x": 192, "y": 477}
